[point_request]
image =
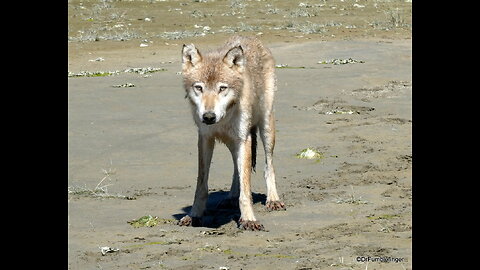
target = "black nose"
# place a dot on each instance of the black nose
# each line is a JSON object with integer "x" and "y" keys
{"x": 209, "y": 118}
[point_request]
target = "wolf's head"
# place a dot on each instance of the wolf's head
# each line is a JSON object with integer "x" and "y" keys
{"x": 213, "y": 82}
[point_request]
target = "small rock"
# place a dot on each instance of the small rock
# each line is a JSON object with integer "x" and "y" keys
{"x": 106, "y": 250}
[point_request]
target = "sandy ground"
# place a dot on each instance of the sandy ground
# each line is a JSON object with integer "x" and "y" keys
{"x": 132, "y": 152}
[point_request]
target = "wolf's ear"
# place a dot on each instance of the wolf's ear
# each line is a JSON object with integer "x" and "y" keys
{"x": 235, "y": 58}
{"x": 190, "y": 55}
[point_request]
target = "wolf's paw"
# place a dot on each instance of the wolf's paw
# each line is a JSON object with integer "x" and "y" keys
{"x": 251, "y": 225}
{"x": 275, "y": 206}
{"x": 190, "y": 221}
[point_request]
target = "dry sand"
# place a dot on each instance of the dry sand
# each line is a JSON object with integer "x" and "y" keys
{"x": 132, "y": 152}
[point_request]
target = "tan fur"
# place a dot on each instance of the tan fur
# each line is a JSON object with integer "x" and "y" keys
{"x": 231, "y": 92}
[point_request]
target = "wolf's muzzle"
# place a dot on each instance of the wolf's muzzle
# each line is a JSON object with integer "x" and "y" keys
{"x": 209, "y": 118}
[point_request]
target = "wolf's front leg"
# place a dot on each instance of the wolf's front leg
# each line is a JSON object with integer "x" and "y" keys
{"x": 244, "y": 165}
{"x": 205, "y": 151}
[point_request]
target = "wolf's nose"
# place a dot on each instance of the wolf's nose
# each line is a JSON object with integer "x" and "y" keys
{"x": 209, "y": 118}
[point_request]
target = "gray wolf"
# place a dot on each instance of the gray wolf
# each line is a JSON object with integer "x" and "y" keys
{"x": 231, "y": 92}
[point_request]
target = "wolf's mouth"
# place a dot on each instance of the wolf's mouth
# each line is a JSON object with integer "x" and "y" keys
{"x": 209, "y": 122}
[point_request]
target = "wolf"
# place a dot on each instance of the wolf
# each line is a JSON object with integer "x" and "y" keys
{"x": 231, "y": 92}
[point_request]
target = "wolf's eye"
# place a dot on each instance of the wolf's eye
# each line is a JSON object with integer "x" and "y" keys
{"x": 222, "y": 88}
{"x": 198, "y": 88}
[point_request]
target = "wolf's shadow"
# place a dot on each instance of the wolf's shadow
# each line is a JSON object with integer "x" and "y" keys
{"x": 215, "y": 216}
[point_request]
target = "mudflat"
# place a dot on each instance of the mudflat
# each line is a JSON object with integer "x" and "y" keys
{"x": 343, "y": 150}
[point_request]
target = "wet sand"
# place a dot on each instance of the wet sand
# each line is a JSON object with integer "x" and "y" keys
{"x": 132, "y": 152}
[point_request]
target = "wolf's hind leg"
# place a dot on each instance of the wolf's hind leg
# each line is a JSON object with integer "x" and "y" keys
{"x": 267, "y": 133}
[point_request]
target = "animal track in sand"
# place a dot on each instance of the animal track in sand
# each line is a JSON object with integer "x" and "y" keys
{"x": 390, "y": 90}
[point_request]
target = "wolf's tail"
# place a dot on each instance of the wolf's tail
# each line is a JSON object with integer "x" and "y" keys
{"x": 253, "y": 133}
